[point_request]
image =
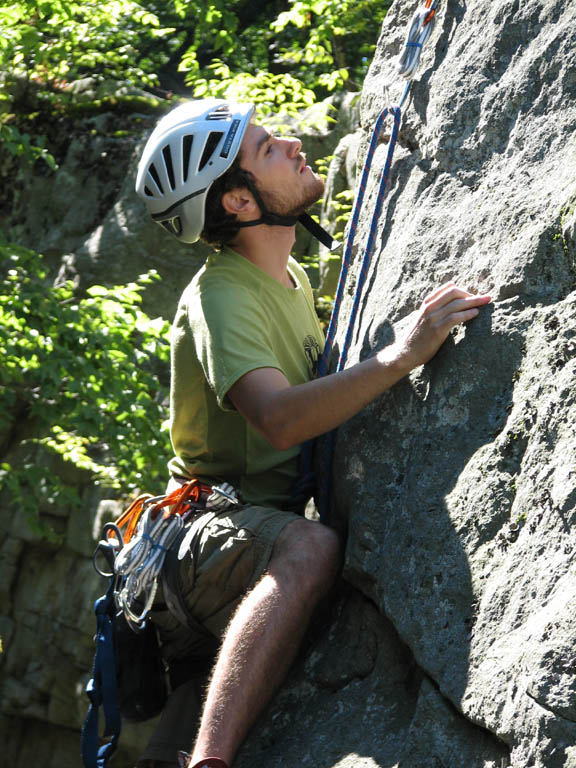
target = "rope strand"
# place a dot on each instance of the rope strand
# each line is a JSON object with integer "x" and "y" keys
{"x": 419, "y": 31}
{"x": 363, "y": 273}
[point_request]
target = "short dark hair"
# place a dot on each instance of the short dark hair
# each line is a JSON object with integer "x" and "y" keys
{"x": 221, "y": 227}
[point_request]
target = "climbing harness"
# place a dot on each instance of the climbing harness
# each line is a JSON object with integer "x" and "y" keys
{"x": 135, "y": 549}
{"x": 419, "y": 31}
{"x": 152, "y": 525}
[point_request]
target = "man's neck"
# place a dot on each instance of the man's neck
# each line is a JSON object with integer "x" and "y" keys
{"x": 268, "y": 248}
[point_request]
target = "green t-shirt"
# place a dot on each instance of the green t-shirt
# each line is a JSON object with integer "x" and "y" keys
{"x": 232, "y": 319}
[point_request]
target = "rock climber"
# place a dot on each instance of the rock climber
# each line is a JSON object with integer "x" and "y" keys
{"x": 245, "y": 341}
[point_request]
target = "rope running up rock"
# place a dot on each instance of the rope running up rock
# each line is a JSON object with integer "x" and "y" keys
{"x": 419, "y": 30}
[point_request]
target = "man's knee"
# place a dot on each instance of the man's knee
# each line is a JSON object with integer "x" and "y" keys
{"x": 308, "y": 552}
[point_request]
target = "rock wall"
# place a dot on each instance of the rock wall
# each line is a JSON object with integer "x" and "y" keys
{"x": 451, "y": 641}
{"x": 459, "y": 486}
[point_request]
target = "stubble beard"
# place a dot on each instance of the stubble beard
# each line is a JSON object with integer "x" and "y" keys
{"x": 281, "y": 205}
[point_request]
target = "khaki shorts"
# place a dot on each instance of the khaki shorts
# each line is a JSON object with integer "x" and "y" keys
{"x": 228, "y": 554}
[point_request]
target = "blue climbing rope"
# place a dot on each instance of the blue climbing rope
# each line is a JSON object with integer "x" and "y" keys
{"x": 405, "y": 66}
{"x": 347, "y": 255}
{"x": 330, "y": 439}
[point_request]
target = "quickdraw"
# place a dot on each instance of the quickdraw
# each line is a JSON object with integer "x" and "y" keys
{"x": 181, "y": 502}
{"x": 135, "y": 546}
{"x": 419, "y": 30}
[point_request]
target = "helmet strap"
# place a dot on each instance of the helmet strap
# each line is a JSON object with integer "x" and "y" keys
{"x": 317, "y": 231}
{"x": 277, "y": 220}
{"x": 266, "y": 216}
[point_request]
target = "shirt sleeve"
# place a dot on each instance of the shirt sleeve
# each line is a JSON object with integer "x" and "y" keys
{"x": 231, "y": 337}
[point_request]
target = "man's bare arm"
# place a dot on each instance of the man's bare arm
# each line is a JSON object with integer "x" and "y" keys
{"x": 288, "y": 415}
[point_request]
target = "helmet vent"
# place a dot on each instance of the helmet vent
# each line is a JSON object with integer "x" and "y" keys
{"x": 174, "y": 226}
{"x": 167, "y": 154}
{"x": 211, "y": 143}
{"x": 186, "y": 150}
{"x": 220, "y": 113}
{"x": 154, "y": 173}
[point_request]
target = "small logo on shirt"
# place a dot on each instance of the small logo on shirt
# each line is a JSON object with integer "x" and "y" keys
{"x": 312, "y": 351}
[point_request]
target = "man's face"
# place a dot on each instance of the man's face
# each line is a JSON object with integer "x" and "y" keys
{"x": 288, "y": 186}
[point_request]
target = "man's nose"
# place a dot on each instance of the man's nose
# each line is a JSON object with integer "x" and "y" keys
{"x": 294, "y": 146}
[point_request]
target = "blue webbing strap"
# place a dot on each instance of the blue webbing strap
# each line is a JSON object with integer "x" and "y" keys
{"x": 101, "y": 689}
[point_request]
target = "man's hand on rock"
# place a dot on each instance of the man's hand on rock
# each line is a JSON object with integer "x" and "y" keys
{"x": 440, "y": 311}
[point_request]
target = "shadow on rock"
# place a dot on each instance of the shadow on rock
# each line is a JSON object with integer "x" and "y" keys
{"x": 397, "y": 472}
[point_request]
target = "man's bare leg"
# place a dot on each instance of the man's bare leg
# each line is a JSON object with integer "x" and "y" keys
{"x": 264, "y": 635}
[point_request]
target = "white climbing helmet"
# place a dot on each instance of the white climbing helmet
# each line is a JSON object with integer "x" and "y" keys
{"x": 188, "y": 150}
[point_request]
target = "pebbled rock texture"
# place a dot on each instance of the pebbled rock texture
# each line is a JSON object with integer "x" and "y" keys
{"x": 458, "y": 487}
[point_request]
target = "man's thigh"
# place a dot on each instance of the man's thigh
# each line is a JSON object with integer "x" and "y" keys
{"x": 227, "y": 555}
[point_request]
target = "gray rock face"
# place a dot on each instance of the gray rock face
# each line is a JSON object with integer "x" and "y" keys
{"x": 459, "y": 486}
{"x": 453, "y": 640}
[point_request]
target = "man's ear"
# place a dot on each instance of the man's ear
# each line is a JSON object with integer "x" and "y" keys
{"x": 239, "y": 201}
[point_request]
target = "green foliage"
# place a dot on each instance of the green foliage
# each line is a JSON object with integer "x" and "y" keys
{"x": 273, "y": 94}
{"x": 84, "y": 375}
{"x": 284, "y": 55}
{"x": 342, "y": 205}
{"x": 56, "y": 41}
{"x": 22, "y": 145}
{"x": 332, "y": 39}
{"x": 324, "y": 45}
{"x": 281, "y": 54}
{"x": 46, "y": 45}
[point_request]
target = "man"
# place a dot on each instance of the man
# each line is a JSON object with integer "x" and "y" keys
{"x": 244, "y": 398}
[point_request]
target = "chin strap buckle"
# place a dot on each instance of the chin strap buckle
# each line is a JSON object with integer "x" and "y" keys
{"x": 318, "y": 232}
